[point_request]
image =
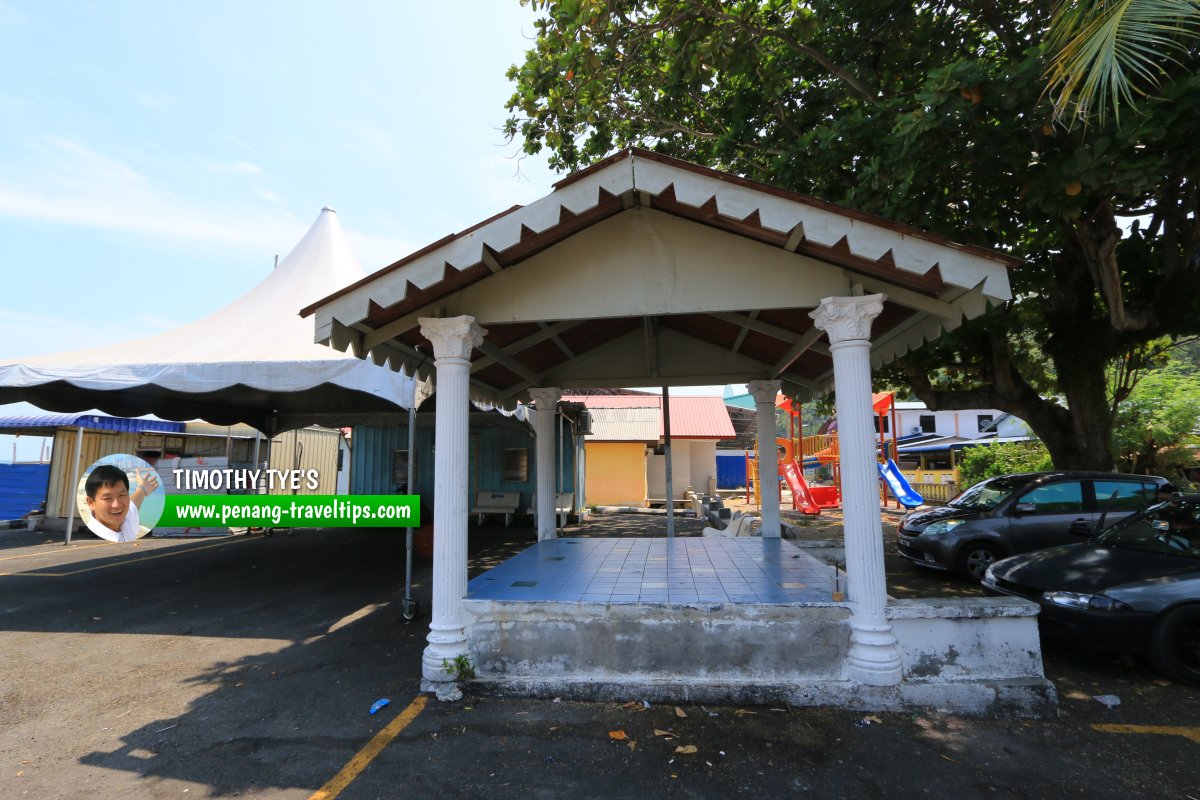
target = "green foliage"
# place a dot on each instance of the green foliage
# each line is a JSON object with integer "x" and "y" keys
{"x": 930, "y": 114}
{"x": 1158, "y": 425}
{"x": 460, "y": 668}
{"x": 982, "y": 462}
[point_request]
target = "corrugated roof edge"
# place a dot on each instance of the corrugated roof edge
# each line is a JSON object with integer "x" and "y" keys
{"x": 93, "y": 421}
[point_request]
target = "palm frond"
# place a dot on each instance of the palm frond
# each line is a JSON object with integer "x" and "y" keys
{"x": 1107, "y": 53}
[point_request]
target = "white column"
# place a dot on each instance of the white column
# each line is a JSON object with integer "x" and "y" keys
{"x": 874, "y": 657}
{"x": 546, "y": 404}
{"x": 764, "y": 393}
{"x": 453, "y": 340}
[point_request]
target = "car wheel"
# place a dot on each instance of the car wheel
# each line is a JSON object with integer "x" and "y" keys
{"x": 975, "y": 558}
{"x": 1175, "y": 644}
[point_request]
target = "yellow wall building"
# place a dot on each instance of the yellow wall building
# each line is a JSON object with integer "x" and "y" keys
{"x": 616, "y": 473}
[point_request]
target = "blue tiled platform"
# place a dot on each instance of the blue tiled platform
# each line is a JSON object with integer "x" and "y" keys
{"x": 681, "y": 570}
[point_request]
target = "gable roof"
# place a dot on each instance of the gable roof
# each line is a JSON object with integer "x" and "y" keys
{"x": 643, "y": 269}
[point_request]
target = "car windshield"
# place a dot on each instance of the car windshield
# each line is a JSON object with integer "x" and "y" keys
{"x": 988, "y": 494}
{"x": 1171, "y": 528}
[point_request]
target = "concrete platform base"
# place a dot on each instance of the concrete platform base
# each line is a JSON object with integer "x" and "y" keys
{"x": 977, "y": 656}
{"x": 1033, "y": 698}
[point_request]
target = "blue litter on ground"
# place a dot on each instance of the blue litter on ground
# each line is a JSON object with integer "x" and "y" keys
{"x": 378, "y": 704}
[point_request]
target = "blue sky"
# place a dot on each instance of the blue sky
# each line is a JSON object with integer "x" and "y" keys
{"x": 155, "y": 157}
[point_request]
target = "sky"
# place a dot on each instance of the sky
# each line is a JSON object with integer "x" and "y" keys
{"x": 156, "y": 157}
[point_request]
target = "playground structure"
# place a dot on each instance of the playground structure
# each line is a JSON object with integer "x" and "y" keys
{"x": 798, "y": 452}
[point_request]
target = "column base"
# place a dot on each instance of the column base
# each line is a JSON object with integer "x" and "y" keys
{"x": 446, "y": 692}
{"x": 446, "y": 643}
{"x": 874, "y": 657}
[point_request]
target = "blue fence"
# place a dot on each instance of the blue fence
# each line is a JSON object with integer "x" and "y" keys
{"x": 731, "y": 471}
{"x": 22, "y": 488}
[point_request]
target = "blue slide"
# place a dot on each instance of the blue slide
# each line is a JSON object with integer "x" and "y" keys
{"x": 898, "y": 485}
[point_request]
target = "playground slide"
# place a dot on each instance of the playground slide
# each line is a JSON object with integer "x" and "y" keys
{"x": 898, "y": 485}
{"x": 801, "y": 497}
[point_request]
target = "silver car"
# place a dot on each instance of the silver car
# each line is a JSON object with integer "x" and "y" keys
{"x": 1014, "y": 514}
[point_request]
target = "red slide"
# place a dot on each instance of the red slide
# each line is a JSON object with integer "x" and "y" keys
{"x": 802, "y": 499}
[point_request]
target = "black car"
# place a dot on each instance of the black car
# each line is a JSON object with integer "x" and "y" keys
{"x": 1135, "y": 587}
{"x": 1013, "y": 514}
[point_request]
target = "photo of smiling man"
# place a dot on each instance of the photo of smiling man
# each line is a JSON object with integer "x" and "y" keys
{"x": 112, "y": 507}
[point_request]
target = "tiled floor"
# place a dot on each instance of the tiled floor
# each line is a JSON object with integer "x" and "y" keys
{"x": 680, "y": 570}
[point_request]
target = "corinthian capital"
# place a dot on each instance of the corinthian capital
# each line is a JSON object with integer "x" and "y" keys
{"x": 453, "y": 337}
{"x": 545, "y": 397}
{"x": 764, "y": 391}
{"x": 848, "y": 318}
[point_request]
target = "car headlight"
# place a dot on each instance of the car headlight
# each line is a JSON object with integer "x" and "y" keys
{"x": 941, "y": 527}
{"x": 1089, "y": 602}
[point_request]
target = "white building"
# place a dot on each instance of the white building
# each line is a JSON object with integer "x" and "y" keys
{"x": 914, "y": 418}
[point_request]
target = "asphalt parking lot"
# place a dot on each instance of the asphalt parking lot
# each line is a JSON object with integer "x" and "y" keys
{"x": 245, "y": 667}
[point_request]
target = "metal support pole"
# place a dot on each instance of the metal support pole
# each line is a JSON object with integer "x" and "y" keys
{"x": 558, "y": 520}
{"x": 257, "y": 465}
{"x": 666, "y": 394}
{"x": 409, "y": 607}
{"x": 73, "y": 486}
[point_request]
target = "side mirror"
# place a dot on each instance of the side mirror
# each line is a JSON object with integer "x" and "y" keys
{"x": 1081, "y": 528}
{"x": 1025, "y": 508}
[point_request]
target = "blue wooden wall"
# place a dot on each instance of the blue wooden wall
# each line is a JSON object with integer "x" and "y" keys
{"x": 371, "y": 462}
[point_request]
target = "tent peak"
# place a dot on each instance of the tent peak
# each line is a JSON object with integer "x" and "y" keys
{"x": 330, "y": 209}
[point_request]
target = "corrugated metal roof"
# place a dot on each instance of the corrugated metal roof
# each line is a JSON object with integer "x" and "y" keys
{"x": 691, "y": 417}
{"x": 93, "y": 421}
{"x": 625, "y": 424}
{"x": 700, "y": 418}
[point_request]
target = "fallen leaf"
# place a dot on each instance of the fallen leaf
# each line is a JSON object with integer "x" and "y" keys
{"x": 633, "y": 744}
{"x": 951, "y": 760}
{"x": 668, "y": 734}
{"x": 630, "y": 704}
{"x": 1161, "y": 682}
{"x": 554, "y": 728}
{"x": 679, "y": 712}
{"x": 620, "y": 736}
{"x": 686, "y": 749}
{"x": 875, "y": 720}
{"x": 741, "y": 712}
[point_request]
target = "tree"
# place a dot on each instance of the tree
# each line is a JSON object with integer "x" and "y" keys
{"x": 1103, "y": 53}
{"x": 1004, "y": 458}
{"x": 934, "y": 115}
{"x": 1158, "y": 425}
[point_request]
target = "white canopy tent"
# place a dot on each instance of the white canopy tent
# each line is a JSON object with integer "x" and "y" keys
{"x": 253, "y": 361}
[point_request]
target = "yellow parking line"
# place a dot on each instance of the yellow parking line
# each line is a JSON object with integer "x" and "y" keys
{"x": 1166, "y": 730}
{"x": 338, "y": 783}
{"x": 74, "y": 547}
{"x": 178, "y": 552}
